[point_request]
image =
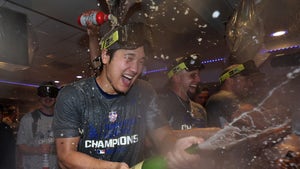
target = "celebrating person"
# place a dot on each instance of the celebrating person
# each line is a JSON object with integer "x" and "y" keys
{"x": 101, "y": 122}
{"x": 35, "y": 134}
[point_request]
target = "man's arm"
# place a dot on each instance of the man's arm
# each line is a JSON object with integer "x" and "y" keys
{"x": 173, "y": 148}
{"x": 69, "y": 157}
{"x": 204, "y": 133}
{"x": 93, "y": 32}
{"x": 163, "y": 138}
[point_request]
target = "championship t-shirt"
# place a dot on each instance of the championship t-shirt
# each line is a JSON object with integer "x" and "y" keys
{"x": 111, "y": 127}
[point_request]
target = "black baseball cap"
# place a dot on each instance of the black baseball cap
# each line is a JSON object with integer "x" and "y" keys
{"x": 247, "y": 68}
{"x": 129, "y": 36}
{"x": 189, "y": 63}
{"x": 47, "y": 89}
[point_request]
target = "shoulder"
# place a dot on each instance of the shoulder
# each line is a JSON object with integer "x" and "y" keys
{"x": 77, "y": 87}
{"x": 143, "y": 84}
{"x": 195, "y": 104}
{"x": 221, "y": 96}
{"x": 28, "y": 117}
{"x": 143, "y": 87}
{"x": 199, "y": 107}
{"x": 81, "y": 83}
{"x": 29, "y": 114}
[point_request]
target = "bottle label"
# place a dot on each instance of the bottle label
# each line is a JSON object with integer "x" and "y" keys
{"x": 138, "y": 166}
{"x": 92, "y": 18}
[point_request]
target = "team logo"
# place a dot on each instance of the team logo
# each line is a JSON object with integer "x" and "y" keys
{"x": 112, "y": 116}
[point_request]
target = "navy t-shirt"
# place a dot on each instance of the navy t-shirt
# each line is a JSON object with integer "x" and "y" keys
{"x": 181, "y": 115}
{"x": 111, "y": 128}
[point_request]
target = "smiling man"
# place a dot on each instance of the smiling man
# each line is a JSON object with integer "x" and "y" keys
{"x": 102, "y": 122}
{"x": 35, "y": 135}
{"x": 181, "y": 112}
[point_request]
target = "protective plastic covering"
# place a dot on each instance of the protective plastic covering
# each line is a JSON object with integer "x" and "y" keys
{"x": 120, "y": 8}
{"x": 245, "y": 33}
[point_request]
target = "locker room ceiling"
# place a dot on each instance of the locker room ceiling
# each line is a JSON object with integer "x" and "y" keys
{"x": 58, "y": 45}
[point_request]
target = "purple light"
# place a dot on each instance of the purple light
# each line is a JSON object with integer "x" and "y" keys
{"x": 213, "y": 60}
{"x": 18, "y": 83}
{"x": 281, "y": 49}
{"x": 155, "y": 70}
{"x": 165, "y": 68}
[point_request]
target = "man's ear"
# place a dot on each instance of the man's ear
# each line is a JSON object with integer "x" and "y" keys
{"x": 230, "y": 81}
{"x": 105, "y": 57}
{"x": 176, "y": 77}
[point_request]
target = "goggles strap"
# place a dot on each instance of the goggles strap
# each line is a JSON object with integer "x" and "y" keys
{"x": 232, "y": 72}
{"x": 176, "y": 69}
{"x": 109, "y": 40}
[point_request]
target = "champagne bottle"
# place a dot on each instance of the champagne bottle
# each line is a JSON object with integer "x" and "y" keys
{"x": 158, "y": 162}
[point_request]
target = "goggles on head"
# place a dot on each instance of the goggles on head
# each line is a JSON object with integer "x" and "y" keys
{"x": 189, "y": 63}
{"x": 47, "y": 91}
{"x": 130, "y": 36}
{"x": 232, "y": 72}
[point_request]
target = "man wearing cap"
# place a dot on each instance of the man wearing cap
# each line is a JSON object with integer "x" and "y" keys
{"x": 180, "y": 110}
{"x": 227, "y": 103}
{"x": 35, "y": 134}
{"x": 101, "y": 122}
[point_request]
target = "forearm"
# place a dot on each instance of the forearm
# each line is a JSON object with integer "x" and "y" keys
{"x": 164, "y": 139}
{"x": 94, "y": 47}
{"x": 204, "y": 133}
{"x": 78, "y": 160}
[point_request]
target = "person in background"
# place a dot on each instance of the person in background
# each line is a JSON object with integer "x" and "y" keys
{"x": 102, "y": 121}
{"x": 227, "y": 103}
{"x": 35, "y": 135}
{"x": 181, "y": 112}
{"x": 7, "y": 144}
{"x": 201, "y": 95}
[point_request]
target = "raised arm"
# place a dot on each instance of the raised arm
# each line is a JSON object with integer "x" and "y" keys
{"x": 93, "y": 33}
{"x": 174, "y": 148}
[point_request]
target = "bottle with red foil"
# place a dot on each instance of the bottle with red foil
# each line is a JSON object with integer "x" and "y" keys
{"x": 95, "y": 17}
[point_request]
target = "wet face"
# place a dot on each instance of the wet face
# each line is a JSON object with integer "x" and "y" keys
{"x": 123, "y": 69}
{"x": 189, "y": 80}
{"x": 201, "y": 97}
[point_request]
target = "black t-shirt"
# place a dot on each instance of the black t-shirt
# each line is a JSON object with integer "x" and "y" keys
{"x": 220, "y": 108}
{"x": 111, "y": 128}
{"x": 182, "y": 115}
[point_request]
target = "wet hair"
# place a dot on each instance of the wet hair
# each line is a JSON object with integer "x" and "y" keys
{"x": 246, "y": 69}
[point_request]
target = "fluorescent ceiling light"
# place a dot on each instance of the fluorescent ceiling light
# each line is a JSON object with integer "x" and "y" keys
{"x": 279, "y": 33}
{"x": 216, "y": 14}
